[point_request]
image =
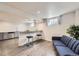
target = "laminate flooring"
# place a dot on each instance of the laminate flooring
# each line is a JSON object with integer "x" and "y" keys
{"x": 39, "y": 48}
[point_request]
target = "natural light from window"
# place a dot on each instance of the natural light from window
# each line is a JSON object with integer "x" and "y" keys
{"x": 52, "y": 21}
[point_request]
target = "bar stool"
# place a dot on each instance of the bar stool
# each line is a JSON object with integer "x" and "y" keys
{"x": 39, "y": 35}
{"x": 29, "y": 43}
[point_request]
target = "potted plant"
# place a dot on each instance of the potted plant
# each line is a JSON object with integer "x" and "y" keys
{"x": 73, "y": 30}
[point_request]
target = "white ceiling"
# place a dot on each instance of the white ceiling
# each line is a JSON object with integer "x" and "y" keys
{"x": 18, "y": 12}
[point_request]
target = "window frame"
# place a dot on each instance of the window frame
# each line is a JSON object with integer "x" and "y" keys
{"x": 53, "y": 21}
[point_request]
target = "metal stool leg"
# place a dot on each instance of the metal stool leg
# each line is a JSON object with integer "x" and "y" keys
{"x": 29, "y": 43}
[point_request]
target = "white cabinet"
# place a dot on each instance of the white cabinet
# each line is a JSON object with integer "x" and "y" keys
{"x": 11, "y": 35}
{"x": 5, "y": 35}
{"x": 8, "y": 35}
{"x": 16, "y": 34}
{"x": 1, "y": 36}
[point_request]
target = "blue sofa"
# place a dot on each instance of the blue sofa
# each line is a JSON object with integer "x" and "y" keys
{"x": 66, "y": 46}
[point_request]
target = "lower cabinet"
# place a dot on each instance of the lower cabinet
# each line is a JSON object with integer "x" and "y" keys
{"x": 8, "y": 35}
{"x": 5, "y": 35}
{"x": 1, "y": 36}
{"x": 16, "y": 35}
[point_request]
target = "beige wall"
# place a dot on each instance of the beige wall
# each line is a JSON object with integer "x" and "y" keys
{"x": 7, "y": 27}
{"x": 60, "y": 29}
{"x": 77, "y": 17}
{"x": 23, "y": 27}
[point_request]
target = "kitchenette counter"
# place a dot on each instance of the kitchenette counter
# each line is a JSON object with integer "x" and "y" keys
{"x": 24, "y": 40}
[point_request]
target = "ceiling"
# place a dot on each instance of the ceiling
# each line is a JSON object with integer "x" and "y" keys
{"x": 19, "y": 12}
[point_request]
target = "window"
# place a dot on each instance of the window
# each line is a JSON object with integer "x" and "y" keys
{"x": 52, "y": 21}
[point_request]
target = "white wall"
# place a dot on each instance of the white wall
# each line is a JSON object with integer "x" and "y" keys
{"x": 23, "y": 27}
{"x": 60, "y": 29}
{"x": 77, "y": 17}
{"x": 7, "y": 27}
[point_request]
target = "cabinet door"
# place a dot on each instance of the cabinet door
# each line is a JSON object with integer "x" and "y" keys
{"x": 16, "y": 34}
{"x": 1, "y": 36}
{"x": 12, "y": 35}
{"x": 5, "y": 36}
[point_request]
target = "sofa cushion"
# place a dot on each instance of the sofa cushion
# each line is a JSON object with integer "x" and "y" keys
{"x": 65, "y": 51}
{"x": 75, "y": 45}
{"x": 71, "y": 43}
{"x": 77, "y": 49}
{"x": 65, "y": 39}
{"x": 58, "y": 43}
